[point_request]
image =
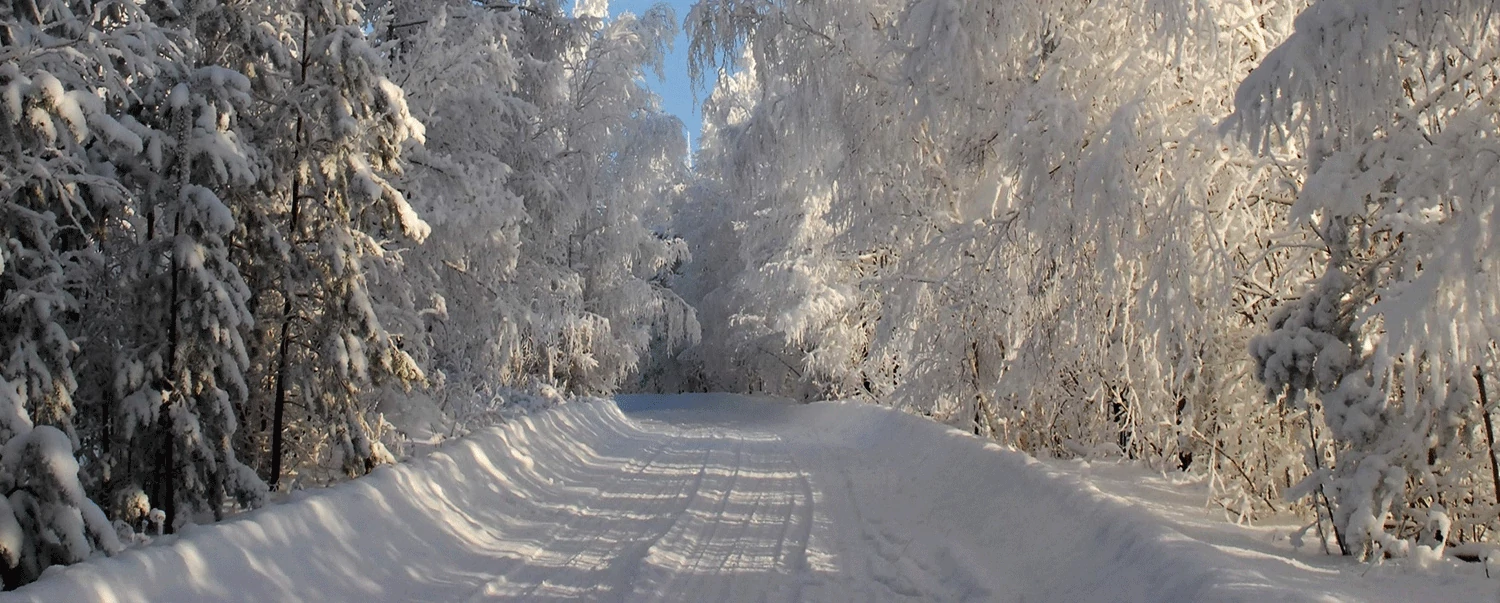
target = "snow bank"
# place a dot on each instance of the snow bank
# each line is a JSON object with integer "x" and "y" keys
{"x": 405, "y": 533}
{"x": 1038, "y": 531}
{"x": 726, "y": 498}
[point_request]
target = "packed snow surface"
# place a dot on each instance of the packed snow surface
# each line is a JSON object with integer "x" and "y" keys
{"x": 728, "y": 498}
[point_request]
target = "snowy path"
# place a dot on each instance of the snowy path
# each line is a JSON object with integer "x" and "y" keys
{"x": 704, "y": 498}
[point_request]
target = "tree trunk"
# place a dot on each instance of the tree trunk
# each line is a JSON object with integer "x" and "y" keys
{"x": 1317, "y": 456}
{"x": 166, "y": 487}
{"x": 1489, "y": 429}
{"x": 166, "y": 470}
{"x": 1184, "y": 452}
{"x": 278, "y": 417}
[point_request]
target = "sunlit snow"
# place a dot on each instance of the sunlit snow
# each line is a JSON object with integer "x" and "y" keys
{"x": 731, "y": 498}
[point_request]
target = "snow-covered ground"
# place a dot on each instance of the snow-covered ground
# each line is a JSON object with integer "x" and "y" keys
{"x": 728, "y": 498}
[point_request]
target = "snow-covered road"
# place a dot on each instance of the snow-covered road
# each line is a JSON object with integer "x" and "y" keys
{"x": 702, "y": 498}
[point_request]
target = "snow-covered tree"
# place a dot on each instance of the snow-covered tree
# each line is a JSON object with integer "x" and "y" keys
{"x": 1022, "y": 218}
{"x": 183, "y": 377}
{"x": 1019, "y": 219}
{"x": 623, "y": 156}
{"x": 1383, "y": 113}
{"x": 462, "y": 68}
{"x": 333, "y": 134}
{"x": 542, "y": 152}
{"x": 66, "y": 71}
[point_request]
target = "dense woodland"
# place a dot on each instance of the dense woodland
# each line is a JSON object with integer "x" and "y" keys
{"x": 1253, "y": 239}
{"x": 239, "y": 235}
{"x": 247, "y": 245}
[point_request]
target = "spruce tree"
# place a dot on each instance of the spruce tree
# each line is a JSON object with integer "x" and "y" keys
{"x": 333, "y": 135}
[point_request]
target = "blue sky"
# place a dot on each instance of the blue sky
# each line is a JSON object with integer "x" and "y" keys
{"x": 675, "y": 89}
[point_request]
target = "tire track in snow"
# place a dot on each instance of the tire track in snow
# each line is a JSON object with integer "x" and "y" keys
{"x": 730, "y": 534}
{"x": 699, "y": 498}
{"x": 590, "y": 545}
{"x": 796, "y": 530}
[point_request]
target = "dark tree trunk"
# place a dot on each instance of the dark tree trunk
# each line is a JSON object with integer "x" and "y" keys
{"x": 278, "y": 413}
{"x": 1489, "y": 429}
{"x": 1317, "y": 456}
{"x": 1184, "y": 454}
{"x": 166, "y": 470}
{"x": 278, "y": 416}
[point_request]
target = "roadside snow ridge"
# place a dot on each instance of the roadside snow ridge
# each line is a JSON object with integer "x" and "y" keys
{"x": 689, "y": 498}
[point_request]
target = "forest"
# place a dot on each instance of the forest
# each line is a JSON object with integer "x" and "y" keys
{"x": 253, "y": 247}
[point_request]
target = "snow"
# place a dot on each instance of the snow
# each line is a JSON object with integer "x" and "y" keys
{"x": 714, "y": 497}
{"x": 12, "y": 539}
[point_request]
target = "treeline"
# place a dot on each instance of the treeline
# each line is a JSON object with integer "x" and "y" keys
{"x": 1254, "y": 239}
{"x": 235, "y": 236}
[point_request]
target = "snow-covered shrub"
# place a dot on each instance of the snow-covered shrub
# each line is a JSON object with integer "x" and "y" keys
{"x": 1383, "y": 113}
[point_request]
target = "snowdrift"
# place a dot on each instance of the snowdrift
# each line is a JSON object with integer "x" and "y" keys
{"x": 1035, "y": 531}
{"x": 704, "y": 497}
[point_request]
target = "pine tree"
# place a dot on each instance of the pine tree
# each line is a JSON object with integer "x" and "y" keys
{"x": 65, "y": 74}
{"x": 185, "y": 379}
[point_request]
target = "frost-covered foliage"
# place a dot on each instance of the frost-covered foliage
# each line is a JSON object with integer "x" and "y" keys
{"x": 624, "y": 156}
{"x": 939, "y": 192}
{"x": 215, "y": 270}
{"x": 65, "y": 75}
{"x": 543, "y": 151}
{"x": 1384, "y": 114}
{"x": 339, "y": 127}
{"x": 180, "y": 302}
{"x": 1042, "y": 222}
